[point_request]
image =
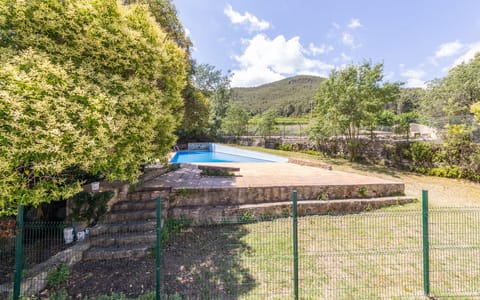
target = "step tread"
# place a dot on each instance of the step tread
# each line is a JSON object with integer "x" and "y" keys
{"x": 126, "y": 235}
{"x": 299, "y": 202}
{"x": 112, "y": 252}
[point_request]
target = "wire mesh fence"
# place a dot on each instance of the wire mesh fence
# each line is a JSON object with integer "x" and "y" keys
{"x": 370, "y": 255}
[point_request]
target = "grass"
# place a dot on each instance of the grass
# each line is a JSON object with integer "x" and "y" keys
{"x": 443, "y": 192}
{"x": 374, "y": 255}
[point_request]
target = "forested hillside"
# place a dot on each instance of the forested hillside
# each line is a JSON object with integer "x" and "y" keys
{"x": 288, "y": 97}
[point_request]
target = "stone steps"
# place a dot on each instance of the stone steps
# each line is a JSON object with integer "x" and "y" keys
{"x": 239, "y": 196}
{"x": 235, "y": 213}
{"x": 134, "y": 205}
{"x": 128, "y": 215}
{"x": 132, "y": 251}
{"x": 125, "y": 239}
{"x": 124, "y": 227}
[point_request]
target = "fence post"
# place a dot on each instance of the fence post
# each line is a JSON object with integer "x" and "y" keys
{"x": 426, "y": 254}
{"x": 295, "y": 245}
{"x": 158, "y": 250}
{"x": 18, "y": 254}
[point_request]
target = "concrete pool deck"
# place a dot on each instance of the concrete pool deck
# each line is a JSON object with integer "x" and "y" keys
{"x": 261, "y": 175}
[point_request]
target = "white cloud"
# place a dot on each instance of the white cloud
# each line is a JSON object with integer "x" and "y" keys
{"x": 254, "y": 76}
{"x": 265, "y": 60}
{"x": 414, "y": 78}
{"x": 345, "y": 57}
{"x": 334, "y": 24}
{"x": 354, "y": 24}
{"x": 448, "y": 49}
{"x": 349, "y": 40}
{"x": 416, "y": 83}
{"x": 253, "y": 23}
{"x": 314, "y": 50}
{"x": 472, "y": 49}
{"x": 413, "y": 73}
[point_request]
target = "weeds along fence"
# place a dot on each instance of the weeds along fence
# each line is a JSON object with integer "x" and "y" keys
{"x": 388, "y": 254}
{"x": 32, "y": 244}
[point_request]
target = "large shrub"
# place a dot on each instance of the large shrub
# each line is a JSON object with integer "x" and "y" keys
{"x": 90, "y": 84}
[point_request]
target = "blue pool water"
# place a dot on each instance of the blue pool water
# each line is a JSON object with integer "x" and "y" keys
{"x": 209, "y": 156}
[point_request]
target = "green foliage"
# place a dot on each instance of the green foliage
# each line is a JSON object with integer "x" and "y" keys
{"x": 323, "y": 196}
{"x": 292, "y": 120}
{"x": 216, "y": 172}
{"x": 363, "y": 191}
{"x": 288, "y": 97}
{"x": 185, "y": 192}
{"x": 173, "y": 167}
{"x": 402, "y": 122}
{"x": 422, "y": 154}
{"x": 235, "y": 121}
{"x": 448, "y": 100}
{"x": 285, "y": 147}
{"x": 457, "y": 145}
{"x": 89, "y": 207}
{"x": 475, "y": 109}
{"x": 267, "y": 124}
{"x": 61, "y": 294}
{"x": 247, "y": 217}
{"x": 196, "y": 114}
{"x": 408, "y": 100}
{"x": 92, "y": 84}
{"x": 216, "y": 86}
{"x": 165, "y": 14}
{"x": 350, "y": 99}
{"x": 172, "y": 226}
{"x": 58, "y": 275}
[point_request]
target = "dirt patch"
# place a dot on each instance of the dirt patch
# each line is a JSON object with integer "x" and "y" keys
{"x": 200, "y": 262}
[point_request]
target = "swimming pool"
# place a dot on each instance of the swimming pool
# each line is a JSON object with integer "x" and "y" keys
{"x": 221, "y": 153}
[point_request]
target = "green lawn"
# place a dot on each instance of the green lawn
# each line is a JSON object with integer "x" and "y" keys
{"x": 373, "y": 255}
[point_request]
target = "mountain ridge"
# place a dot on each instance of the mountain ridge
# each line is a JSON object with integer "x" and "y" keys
{"x": 292, "y": 96}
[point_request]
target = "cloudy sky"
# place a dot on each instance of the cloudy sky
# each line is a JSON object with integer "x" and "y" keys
{"x": 262, "y": 41}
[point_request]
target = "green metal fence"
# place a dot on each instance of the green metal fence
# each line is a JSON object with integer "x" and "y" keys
{"x": 388, "y": 254}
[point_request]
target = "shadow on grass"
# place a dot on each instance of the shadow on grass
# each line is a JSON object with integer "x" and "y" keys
{"x": 205, "y": 263}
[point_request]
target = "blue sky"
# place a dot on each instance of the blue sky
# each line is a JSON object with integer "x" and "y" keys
{"x": 262, "y": 41}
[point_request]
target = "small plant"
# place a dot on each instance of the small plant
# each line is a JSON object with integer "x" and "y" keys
{"x": 185, "y": 192}
{"x": 285, "y": 147}
{"x": 174, "y": 225}
{"x": 322, "y": 196}
{"x": 214, "y": 172}
{"x": 363, "y": 191}
{"x": 133, "y": 187}
{"x": 59, "y": 295}
{"x": 58, "y": 275}
{"x": 247, "y": 217}
{"x": 89, "y": 207}
{"x": 173, "y": 167}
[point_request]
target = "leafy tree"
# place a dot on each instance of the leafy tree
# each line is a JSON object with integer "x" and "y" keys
{"x": 216, "y": 87}
{"x": 457, "y": 145}
{"x": 403, "y": 121}
{"x": 235, "y": 121}
{"x": 448, "y": 100}
{"x": 196, "y": 115}
{"x": 350, "y": 99}
{"x": 165, "y": 14}
{"x": 267, "y": 123}
{"x": 87, "y": 85}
